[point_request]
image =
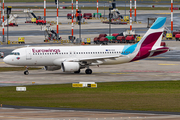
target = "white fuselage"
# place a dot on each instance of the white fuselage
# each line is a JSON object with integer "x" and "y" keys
{"x": 47, "y": 56}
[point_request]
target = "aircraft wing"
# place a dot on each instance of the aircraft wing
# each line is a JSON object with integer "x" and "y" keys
{"x": 89, "y": 60}
{"x": 93, "y": 58}
{"x": 99, "y": 58}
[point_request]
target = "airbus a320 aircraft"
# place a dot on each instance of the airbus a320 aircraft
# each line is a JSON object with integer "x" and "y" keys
{"x": 74, "y": 58}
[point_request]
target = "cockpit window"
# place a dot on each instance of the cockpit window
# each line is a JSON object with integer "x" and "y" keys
{"x": 15, "y": 53}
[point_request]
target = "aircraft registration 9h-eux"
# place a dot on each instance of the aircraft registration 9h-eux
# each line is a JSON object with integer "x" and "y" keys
{"x": 75, "y": 58}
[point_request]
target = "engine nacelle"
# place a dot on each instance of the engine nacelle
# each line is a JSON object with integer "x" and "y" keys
{"x": 52, "y": 68}
{"x": 70, "y": 66}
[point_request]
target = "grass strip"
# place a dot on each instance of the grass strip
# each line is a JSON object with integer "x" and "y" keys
{"x": 142, "y": 96}
{"x": 5, "y": 69}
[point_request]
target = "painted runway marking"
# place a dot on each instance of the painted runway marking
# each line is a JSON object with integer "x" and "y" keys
{"x": 163, "y": 13}
{"x": 2, "y": 62}
{"x": 120, "y": 73}
{"x": 13, "y": 82}
{"x": 157, "y": 57}
{"x": 168, "y": 64}
{"x": 149, "y": 71}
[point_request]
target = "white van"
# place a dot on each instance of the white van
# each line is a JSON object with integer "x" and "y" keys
{"x": 1, "y": 54}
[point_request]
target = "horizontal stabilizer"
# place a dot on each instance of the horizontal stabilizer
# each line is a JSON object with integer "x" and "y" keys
{"x": 158, "y": 50}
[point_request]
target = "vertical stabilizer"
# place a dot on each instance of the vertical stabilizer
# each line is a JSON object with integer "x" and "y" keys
{"x": 154, "y": 35}
{"x": 151, "y": 40}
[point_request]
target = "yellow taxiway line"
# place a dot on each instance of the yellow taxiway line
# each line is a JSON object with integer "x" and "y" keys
{"x": 168, "y": 64}
{"x": 163, "y": 13}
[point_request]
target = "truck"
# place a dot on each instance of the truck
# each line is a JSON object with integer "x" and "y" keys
{"x": 177, "y": 36}
{"x": 87, "y": 15}
{"x": 87, "y": 41}
{"x": 111, "y": 39}
{"x": 40, "y": 21}
{"x": 121, "y": 39}
{"x": 97, "y": 39}
{"x": 130, "y": 39}
{"x": 169, "y": 36}
{"x": 175, "y": 32}
{"x": 69, "y": 16}
{"x": 103, "y": 40}
{"x": 1, "y": 54}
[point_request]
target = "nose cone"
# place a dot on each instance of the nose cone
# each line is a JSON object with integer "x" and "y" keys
{"x": 9, "y": 60}
{"x": 6, "y": 60}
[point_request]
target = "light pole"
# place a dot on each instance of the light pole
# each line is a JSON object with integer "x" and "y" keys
{"x": 110, "y": 16}
{"x": 8, "y": 12}
{"x": 3, "y": 23}
{"x": 172, "y": 16}
{"x": 125, "y": 8}
{"x": 44, "y": 10}
{"x": 79, "y": 23}
{"x": 57, "y": 5}
{"x": 104, "y": 10}
{"x": 0, "y": 10}
{"x": 130, "y": 15}
{"x": 135, "y": 9}
{"x": 7, "y": 24}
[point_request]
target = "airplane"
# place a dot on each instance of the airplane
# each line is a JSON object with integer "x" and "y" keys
{"x": 75, "y": 58}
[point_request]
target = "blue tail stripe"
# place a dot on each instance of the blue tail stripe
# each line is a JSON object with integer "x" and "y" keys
{"x": 129, "y": 49}
{"x": 159, "y": 23}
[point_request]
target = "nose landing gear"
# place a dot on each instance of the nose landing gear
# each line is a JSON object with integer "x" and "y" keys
{"x": 26, "y": 71}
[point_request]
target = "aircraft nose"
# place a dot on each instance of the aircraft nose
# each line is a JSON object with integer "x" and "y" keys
{"x": 6, "y": 60}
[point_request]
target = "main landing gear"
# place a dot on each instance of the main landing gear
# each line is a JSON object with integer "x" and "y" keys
{"x": 88, "y": 71}
{"x": 26, "y": 71}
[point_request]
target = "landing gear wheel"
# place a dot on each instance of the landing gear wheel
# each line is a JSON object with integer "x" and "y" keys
{"x": 77, "y": 71}
{"x": 88, "y": 71}
{"x": 26, "y": 72}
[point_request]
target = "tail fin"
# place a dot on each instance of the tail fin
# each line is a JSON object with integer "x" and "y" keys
{"x": 154, "y": 35}
{"x": 151, "y": 40}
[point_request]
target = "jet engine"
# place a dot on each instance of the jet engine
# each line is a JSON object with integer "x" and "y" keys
{"x": 70, "y": 66}
{"x": 52, "y": 68}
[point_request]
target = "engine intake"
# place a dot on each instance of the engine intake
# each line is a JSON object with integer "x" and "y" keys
{"x": 70, "y": 66}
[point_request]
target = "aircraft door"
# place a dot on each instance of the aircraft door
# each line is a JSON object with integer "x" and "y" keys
{"x": 28, "y": 54}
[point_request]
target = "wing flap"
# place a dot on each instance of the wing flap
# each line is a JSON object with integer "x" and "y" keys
{"x": 91, "y": 59}
{"x": 99, "y": 58}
